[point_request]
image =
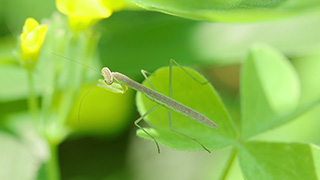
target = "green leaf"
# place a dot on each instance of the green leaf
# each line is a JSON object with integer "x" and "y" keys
{"x": 229, "y": 10}
{"x": 308, "y": 69}
{"x": 262, "y": 160}
{"x": 202, "y": 98}
{"x": 269, "y": 90}
{"x": 22, "y": 151}
{"x": 229, "y": 43}
{"x": 15, "y": 159}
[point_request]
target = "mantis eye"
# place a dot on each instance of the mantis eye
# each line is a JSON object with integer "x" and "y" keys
{"x": 114, "y": 87}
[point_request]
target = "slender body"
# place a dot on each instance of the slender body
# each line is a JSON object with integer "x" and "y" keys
{"x": 121, "y": 84}
{"x": 162, "y": 99}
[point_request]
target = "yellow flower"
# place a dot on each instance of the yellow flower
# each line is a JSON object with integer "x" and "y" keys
{"x": 32, "y": 38}
{"x": 84, "y": 13}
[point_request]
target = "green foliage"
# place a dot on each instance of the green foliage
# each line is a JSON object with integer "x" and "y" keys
{"x": 15, "y": 18}
{"x": 264, "y": 160}
{"x": 202, "y": 98}
{"x": 17, "y": 86}
{"x": 30, "y": 142}
{"x": 151, "y": 39}
{"x": 230, "y": 10}
{"x": 308, "y": 68}
{"x": 270, "y": 93}
{"x": 23, "y": 151}
{"x": 269, "y": 89}
{"x": 134, "y": 40}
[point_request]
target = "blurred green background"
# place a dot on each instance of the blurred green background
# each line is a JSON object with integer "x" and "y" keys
{"x": 104, "y": 145}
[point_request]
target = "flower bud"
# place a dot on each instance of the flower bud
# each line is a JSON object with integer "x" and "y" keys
{"x": 32, "y": 38}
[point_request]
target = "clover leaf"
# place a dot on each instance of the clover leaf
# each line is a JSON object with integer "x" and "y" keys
{"x": 189, "y": 92}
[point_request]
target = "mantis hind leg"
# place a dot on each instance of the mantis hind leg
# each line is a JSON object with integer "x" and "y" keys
{"x": 179, "y": 132}
{"x": 144, "y": 73}
{"x": 170, "y": 95}
{"x": 136, "y": 123}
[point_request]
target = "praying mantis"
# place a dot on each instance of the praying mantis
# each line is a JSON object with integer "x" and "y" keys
{"x": 118, "y": 83}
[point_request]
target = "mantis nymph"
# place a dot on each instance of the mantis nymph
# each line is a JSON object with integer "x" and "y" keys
{"x": 119, "y": 83}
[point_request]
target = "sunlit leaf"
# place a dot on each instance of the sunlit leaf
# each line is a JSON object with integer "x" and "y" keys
{"x": 15, "y": 159}
{"x": 270, "y": 89}
{"x": 202, "y": 98}
{"x": 23, "y": 151}
{"x": 229, "y": 10}
{"x": 225, "y": 43}
{"x": 263, "y": 160}
{"x": 308, "y": 69}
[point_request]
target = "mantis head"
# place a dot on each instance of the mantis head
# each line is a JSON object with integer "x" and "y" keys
{"x": 108, "y": 82}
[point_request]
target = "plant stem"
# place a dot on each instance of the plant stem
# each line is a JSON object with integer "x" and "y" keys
{"x": 73, "y": 83}
{"x": 226, "y": 170}
{"x": 52, "y": 166}
{"x": 32, "y": 100}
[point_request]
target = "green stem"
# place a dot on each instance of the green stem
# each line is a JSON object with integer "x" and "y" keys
{"x": 52, "y": 166}
{"x": 32, "y": 100}
{"x": 78, "y": 48}
{"x": 73, "y": 81}
{"x": 230, "y": 161}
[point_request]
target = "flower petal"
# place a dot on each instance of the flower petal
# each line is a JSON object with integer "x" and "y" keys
{"x": 83, "y": 8}
{"x": 29, "y": 25}
{"x": 32, "y": 39}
